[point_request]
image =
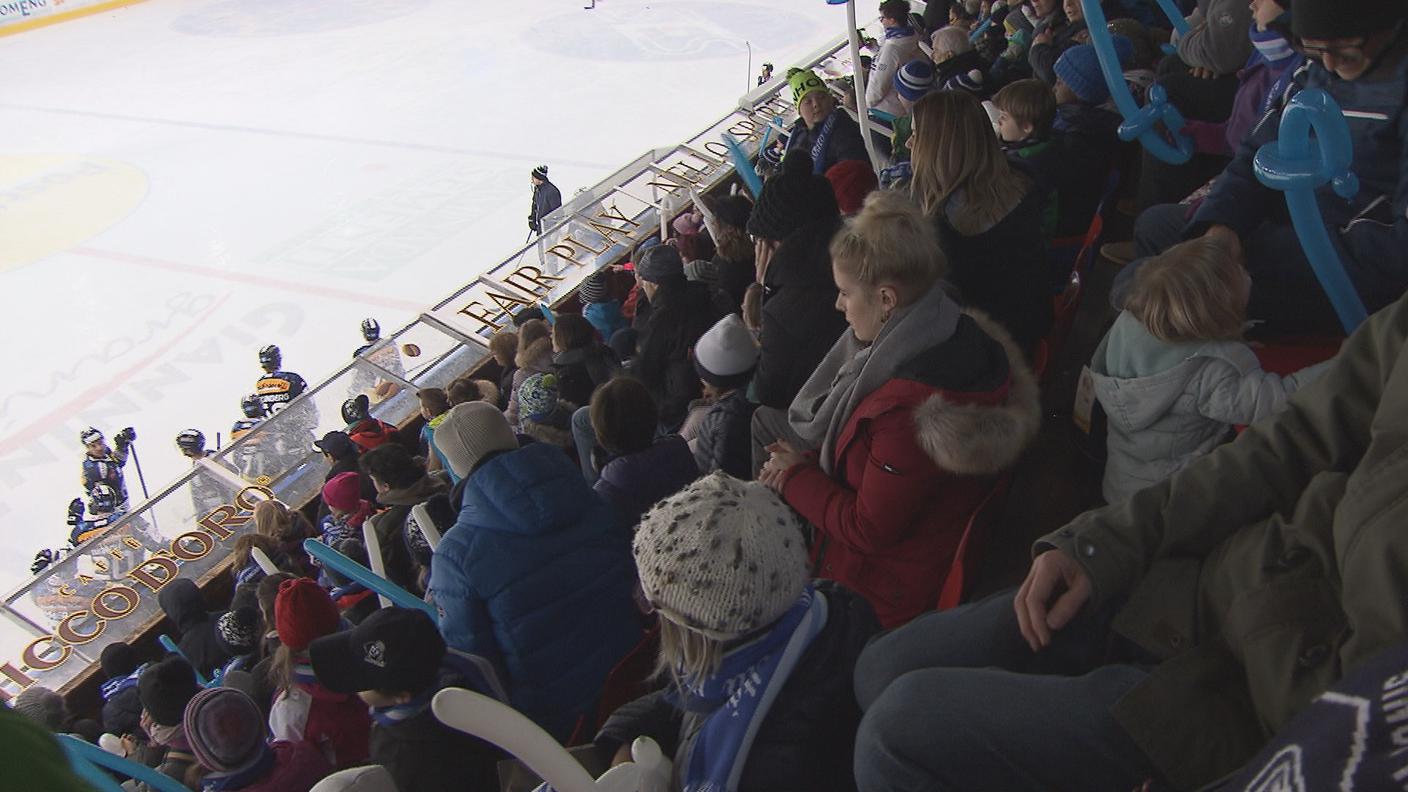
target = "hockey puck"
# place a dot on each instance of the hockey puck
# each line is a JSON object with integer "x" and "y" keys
{"x": 410, "y": 350}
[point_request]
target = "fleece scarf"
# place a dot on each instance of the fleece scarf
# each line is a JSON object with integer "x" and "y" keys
{"x": 853, "y": 369}
{"x": 740, "y": 694}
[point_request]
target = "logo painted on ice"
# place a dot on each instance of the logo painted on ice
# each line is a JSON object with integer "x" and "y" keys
{"x": 22, "y": 8}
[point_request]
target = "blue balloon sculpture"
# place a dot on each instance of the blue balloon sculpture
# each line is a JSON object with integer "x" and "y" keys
{"x": 170, "y": 646}
{"x": 345, "y": 566}
{"x": 1138, "y": 122}
{"x": 744, "y": 166}
{"x": 1292, "y": 165}
{"x": 87, "y": 758}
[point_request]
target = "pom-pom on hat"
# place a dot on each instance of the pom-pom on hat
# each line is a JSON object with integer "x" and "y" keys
{"x": 725, "y": 355}
{"x": 537, "y": 396}
{"x": 238, "y": 630}
{"x": 660, "y": 264}
{"x": 722, "y": 557}
{"x": 165, "y": 687}
{"x": 225, "y": 730}
{"x": 914, "y": 80}
{"x": 793, "y": 198}
{"x": 303, "y": 612}
{"x": 541, "y": 173}
{"x": 343, "y": 492}
{"x": 470, "y": 432}
{"x": 803, "y": 82}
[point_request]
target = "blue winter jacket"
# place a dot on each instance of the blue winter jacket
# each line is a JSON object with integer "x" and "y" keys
{"x": 1370, "y": 230}
{"x": 537, "y": 576}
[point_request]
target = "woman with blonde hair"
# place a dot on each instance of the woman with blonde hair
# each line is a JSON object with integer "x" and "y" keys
{"x": 987, "y": 214}
{"x": 288, "y": 527}
{"x": 911, "y": 414}
{"x": 1173, "y": 374}
{"x": 724, "y": 564}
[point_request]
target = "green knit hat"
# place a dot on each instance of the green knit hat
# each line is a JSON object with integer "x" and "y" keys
{"x": 803, "y": 82}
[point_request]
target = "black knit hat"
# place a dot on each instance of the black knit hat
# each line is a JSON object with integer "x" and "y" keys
{"x": 660, "y": 264}
{"x": 731, "y": 210}
{"x": 1331, "y": 19}
{"x": 237, "y": 631}
{"x": 118, "y": 660}
{"x": 165, "y": 688}
{"x": 594, "y": 289}
{"x": 792, "y": 199}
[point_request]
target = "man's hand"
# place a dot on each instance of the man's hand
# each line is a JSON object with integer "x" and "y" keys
{"x": 1044, "y": 37}
{"x": 1052, "y": 572}
{"x": 1202, "y": 73}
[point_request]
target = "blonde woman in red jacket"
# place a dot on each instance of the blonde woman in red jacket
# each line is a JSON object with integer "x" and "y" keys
{"x": 897, "y": 436}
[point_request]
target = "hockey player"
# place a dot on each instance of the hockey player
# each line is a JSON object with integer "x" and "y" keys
{"x": 371, "y": 332}
{"x": 367, "y": 432}
{"x": 253, "y": 413}
{"x": 105, "y": 511}
{"x": 277, "y": 387}
{"x": 104, "y": 464}
{"x": 192, "y": 445}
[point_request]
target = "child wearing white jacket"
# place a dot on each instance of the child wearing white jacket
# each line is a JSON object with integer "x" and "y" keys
{"x": 1173, "y": 374}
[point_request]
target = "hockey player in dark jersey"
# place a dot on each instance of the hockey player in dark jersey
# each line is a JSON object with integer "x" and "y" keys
{"x": 104, "y": 511}
{"x": 371, "y": 333}
{"x": 277, "y": 387}
{"x": 104, "y": 464}
{"x": 253, "y": 413}
{"x": 207, "y": 491}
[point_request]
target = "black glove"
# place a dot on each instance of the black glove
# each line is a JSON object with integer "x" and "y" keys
{"x": 42, "y": 560}
{"x": 75, "y": 512}
{"x": 126, "y": 436}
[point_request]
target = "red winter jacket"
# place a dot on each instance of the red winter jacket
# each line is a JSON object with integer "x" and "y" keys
{"x": 914, "y": 460}
{"x": 337, "y": 723}
{"x": 298, "y": 767}
{"x": 370, "y": 433}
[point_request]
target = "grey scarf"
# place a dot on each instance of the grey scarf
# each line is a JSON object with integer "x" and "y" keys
{"x": 852, "y": 370}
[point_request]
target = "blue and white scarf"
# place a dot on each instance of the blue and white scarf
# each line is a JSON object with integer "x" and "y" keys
{"x": 739, "y": 696}
{"x": 116, "y": 685}
{"x": 400, "y": 713}
{"x": 822, "y": 138}
{"x": 1273, "y": 49}
{"x": 898, "y": 32}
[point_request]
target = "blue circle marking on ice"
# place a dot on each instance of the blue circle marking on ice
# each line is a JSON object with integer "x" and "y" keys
{"x": 253, "y": 18}
{"x": 681, "y": 32}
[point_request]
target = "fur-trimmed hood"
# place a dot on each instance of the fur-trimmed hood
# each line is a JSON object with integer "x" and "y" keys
{"x": 536, "y": 357}
{"x": 976, "y": 423}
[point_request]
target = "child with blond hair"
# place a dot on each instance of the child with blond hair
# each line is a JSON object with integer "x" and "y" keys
{"x": 1174, "y": 375}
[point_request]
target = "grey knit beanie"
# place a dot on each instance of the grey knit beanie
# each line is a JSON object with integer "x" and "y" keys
{"x": 722, "y": 557}
{"x": 469, "y": 432}
{"x": 43, "y": 706}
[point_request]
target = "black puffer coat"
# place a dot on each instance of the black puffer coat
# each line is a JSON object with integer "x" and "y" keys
{"x": 581, "y": 371}
{"x": 807, "y": 740}
{"x": 680, "y": 312}
{"x": 800, "y": 320}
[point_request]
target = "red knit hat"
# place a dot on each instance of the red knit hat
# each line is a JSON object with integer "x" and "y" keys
{"x": 852, "y": 180}
{"x": 343, "y": 492}
{"x": 303, "y": 612}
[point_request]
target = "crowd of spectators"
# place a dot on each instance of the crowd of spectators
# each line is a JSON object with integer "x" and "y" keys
{"x": 755, "y": 453}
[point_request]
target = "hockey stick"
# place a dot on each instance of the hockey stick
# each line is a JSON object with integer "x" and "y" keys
{"x": 132, "y": 449}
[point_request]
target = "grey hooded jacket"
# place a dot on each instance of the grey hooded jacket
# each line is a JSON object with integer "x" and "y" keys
{"x": 1168, "y": 404}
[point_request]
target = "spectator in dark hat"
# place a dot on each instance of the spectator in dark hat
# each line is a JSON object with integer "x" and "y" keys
{"x": 599, "y": 306}
{"x": 401, "y": 483}
{"x": 122, "y": 702}
{"x": 393, "y": 662}
{"x": 181, "y": 601}
{"x": 640, "y": 468}
{"x": 793, "y": 222}
{"x": 681, "y": 310}
{"x": 164, "y": 689}
{"x": 339, "y": 450}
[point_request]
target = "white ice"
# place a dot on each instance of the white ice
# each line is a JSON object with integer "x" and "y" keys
{"x": 184, "y": 181}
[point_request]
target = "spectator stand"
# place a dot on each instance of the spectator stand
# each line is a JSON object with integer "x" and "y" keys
{"x": 53, "y": 628}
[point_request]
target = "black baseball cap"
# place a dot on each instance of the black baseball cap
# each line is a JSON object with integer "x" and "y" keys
{"x": 336, "y": 443}
{"x": 393, "y": 649}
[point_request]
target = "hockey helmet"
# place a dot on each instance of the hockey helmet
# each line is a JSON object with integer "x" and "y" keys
{"x": 102, "y": 499}
{"x": 252, "y": 406}
{"x": 370, "y": 329}
{"x": 191, "y": 441}
{"x": 356, "y": 409}
{"x": 270, "y": 357}
{"x": 89, "y": 435}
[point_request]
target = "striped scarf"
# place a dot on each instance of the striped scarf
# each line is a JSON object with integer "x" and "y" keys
{"x": 400, "y": 713}
{"x": 303, "y": 675}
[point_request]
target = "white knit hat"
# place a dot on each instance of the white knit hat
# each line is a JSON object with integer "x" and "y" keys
{"x": 469, "y": 432}
{"x": 726, "y": 354}
{"x": 721, "y": 557}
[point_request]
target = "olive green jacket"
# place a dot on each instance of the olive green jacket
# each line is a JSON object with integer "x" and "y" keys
{"x": 1263, "y": 572}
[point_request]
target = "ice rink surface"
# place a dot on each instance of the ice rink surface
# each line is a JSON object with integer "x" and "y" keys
{"x": 185, "y": 181}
